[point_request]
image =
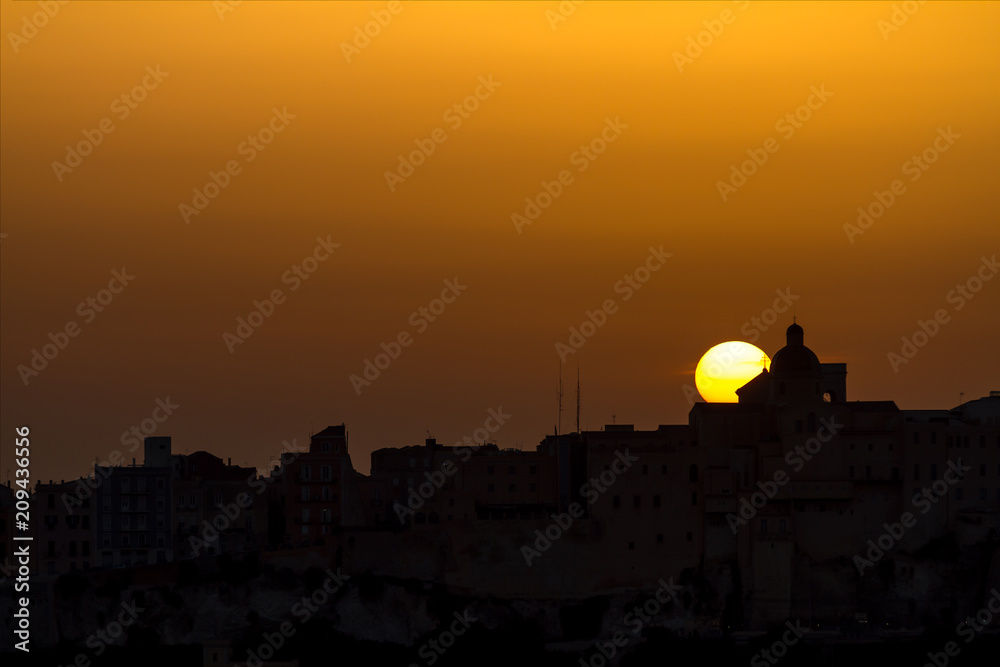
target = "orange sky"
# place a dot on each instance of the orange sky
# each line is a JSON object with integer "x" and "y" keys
{"x": 555, "y": 85}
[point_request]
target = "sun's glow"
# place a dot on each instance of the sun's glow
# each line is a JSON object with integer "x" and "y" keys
{"x": 727, "y": 367}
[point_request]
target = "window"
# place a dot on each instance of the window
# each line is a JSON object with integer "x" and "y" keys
{"x": 637, "y": 501}
{"x": 895, "y": 472}
{"x": 868, "y": 472}
{"x": 916, "y": 437}
{"x": 489, "y": 470}
{"x": 218, "y": 499}
{"x": 86, "y": 521}
{"x": 124, "y": 484}
{"x": 763, "y": 526}
{"x": 305, "y": 493}
{"x": 694, "y": 498}
{"x": 982, "y": 470}
{"x": 326, "y": 493}
{"x": 916, "y": 471}
{"x": 645, "y": 469}
{"x": 307, "y": 472}
{"x": 510, "y": 470}
{"x": 85, "y": 548}
{"x": 532, "y": 470}
{"x": 982, "y": 493}
{"x": 690, "y": 537}
{"x": 631, "y": 546}
{"x": 959, "y": 494}
{"x": 693, "y": 473}
{"x": 934, "y": 471}
{"x": 656, "y": 501}
{"x": 52, "y": 501}
{"x": 782, "y": 526}
{"x": 850, "y": 472}
{"x": 616, "y": 501}
{"x": 489, "y": 488}
{"x": 663, "y": 469}
{"x": 510, "y": 487}
{"x": 532, "y": 487}
{"x": 325, "y": 473}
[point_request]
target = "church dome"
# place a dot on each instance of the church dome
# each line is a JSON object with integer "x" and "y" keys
{"x": 795, "y": 359}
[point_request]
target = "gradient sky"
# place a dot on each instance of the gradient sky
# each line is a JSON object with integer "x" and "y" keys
{"x": 324, "y": 175}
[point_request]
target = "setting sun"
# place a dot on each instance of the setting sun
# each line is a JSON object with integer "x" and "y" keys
{"x": 727, "y": 367}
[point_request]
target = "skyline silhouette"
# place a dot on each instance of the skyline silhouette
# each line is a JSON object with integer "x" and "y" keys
{"x": 294, "y": 297}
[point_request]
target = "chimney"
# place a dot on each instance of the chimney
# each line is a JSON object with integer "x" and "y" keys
{"x": 230, "y": 461}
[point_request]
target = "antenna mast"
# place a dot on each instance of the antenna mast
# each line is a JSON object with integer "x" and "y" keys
{"x": 559, "y": 394}
{"x": 578, "y": 398}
